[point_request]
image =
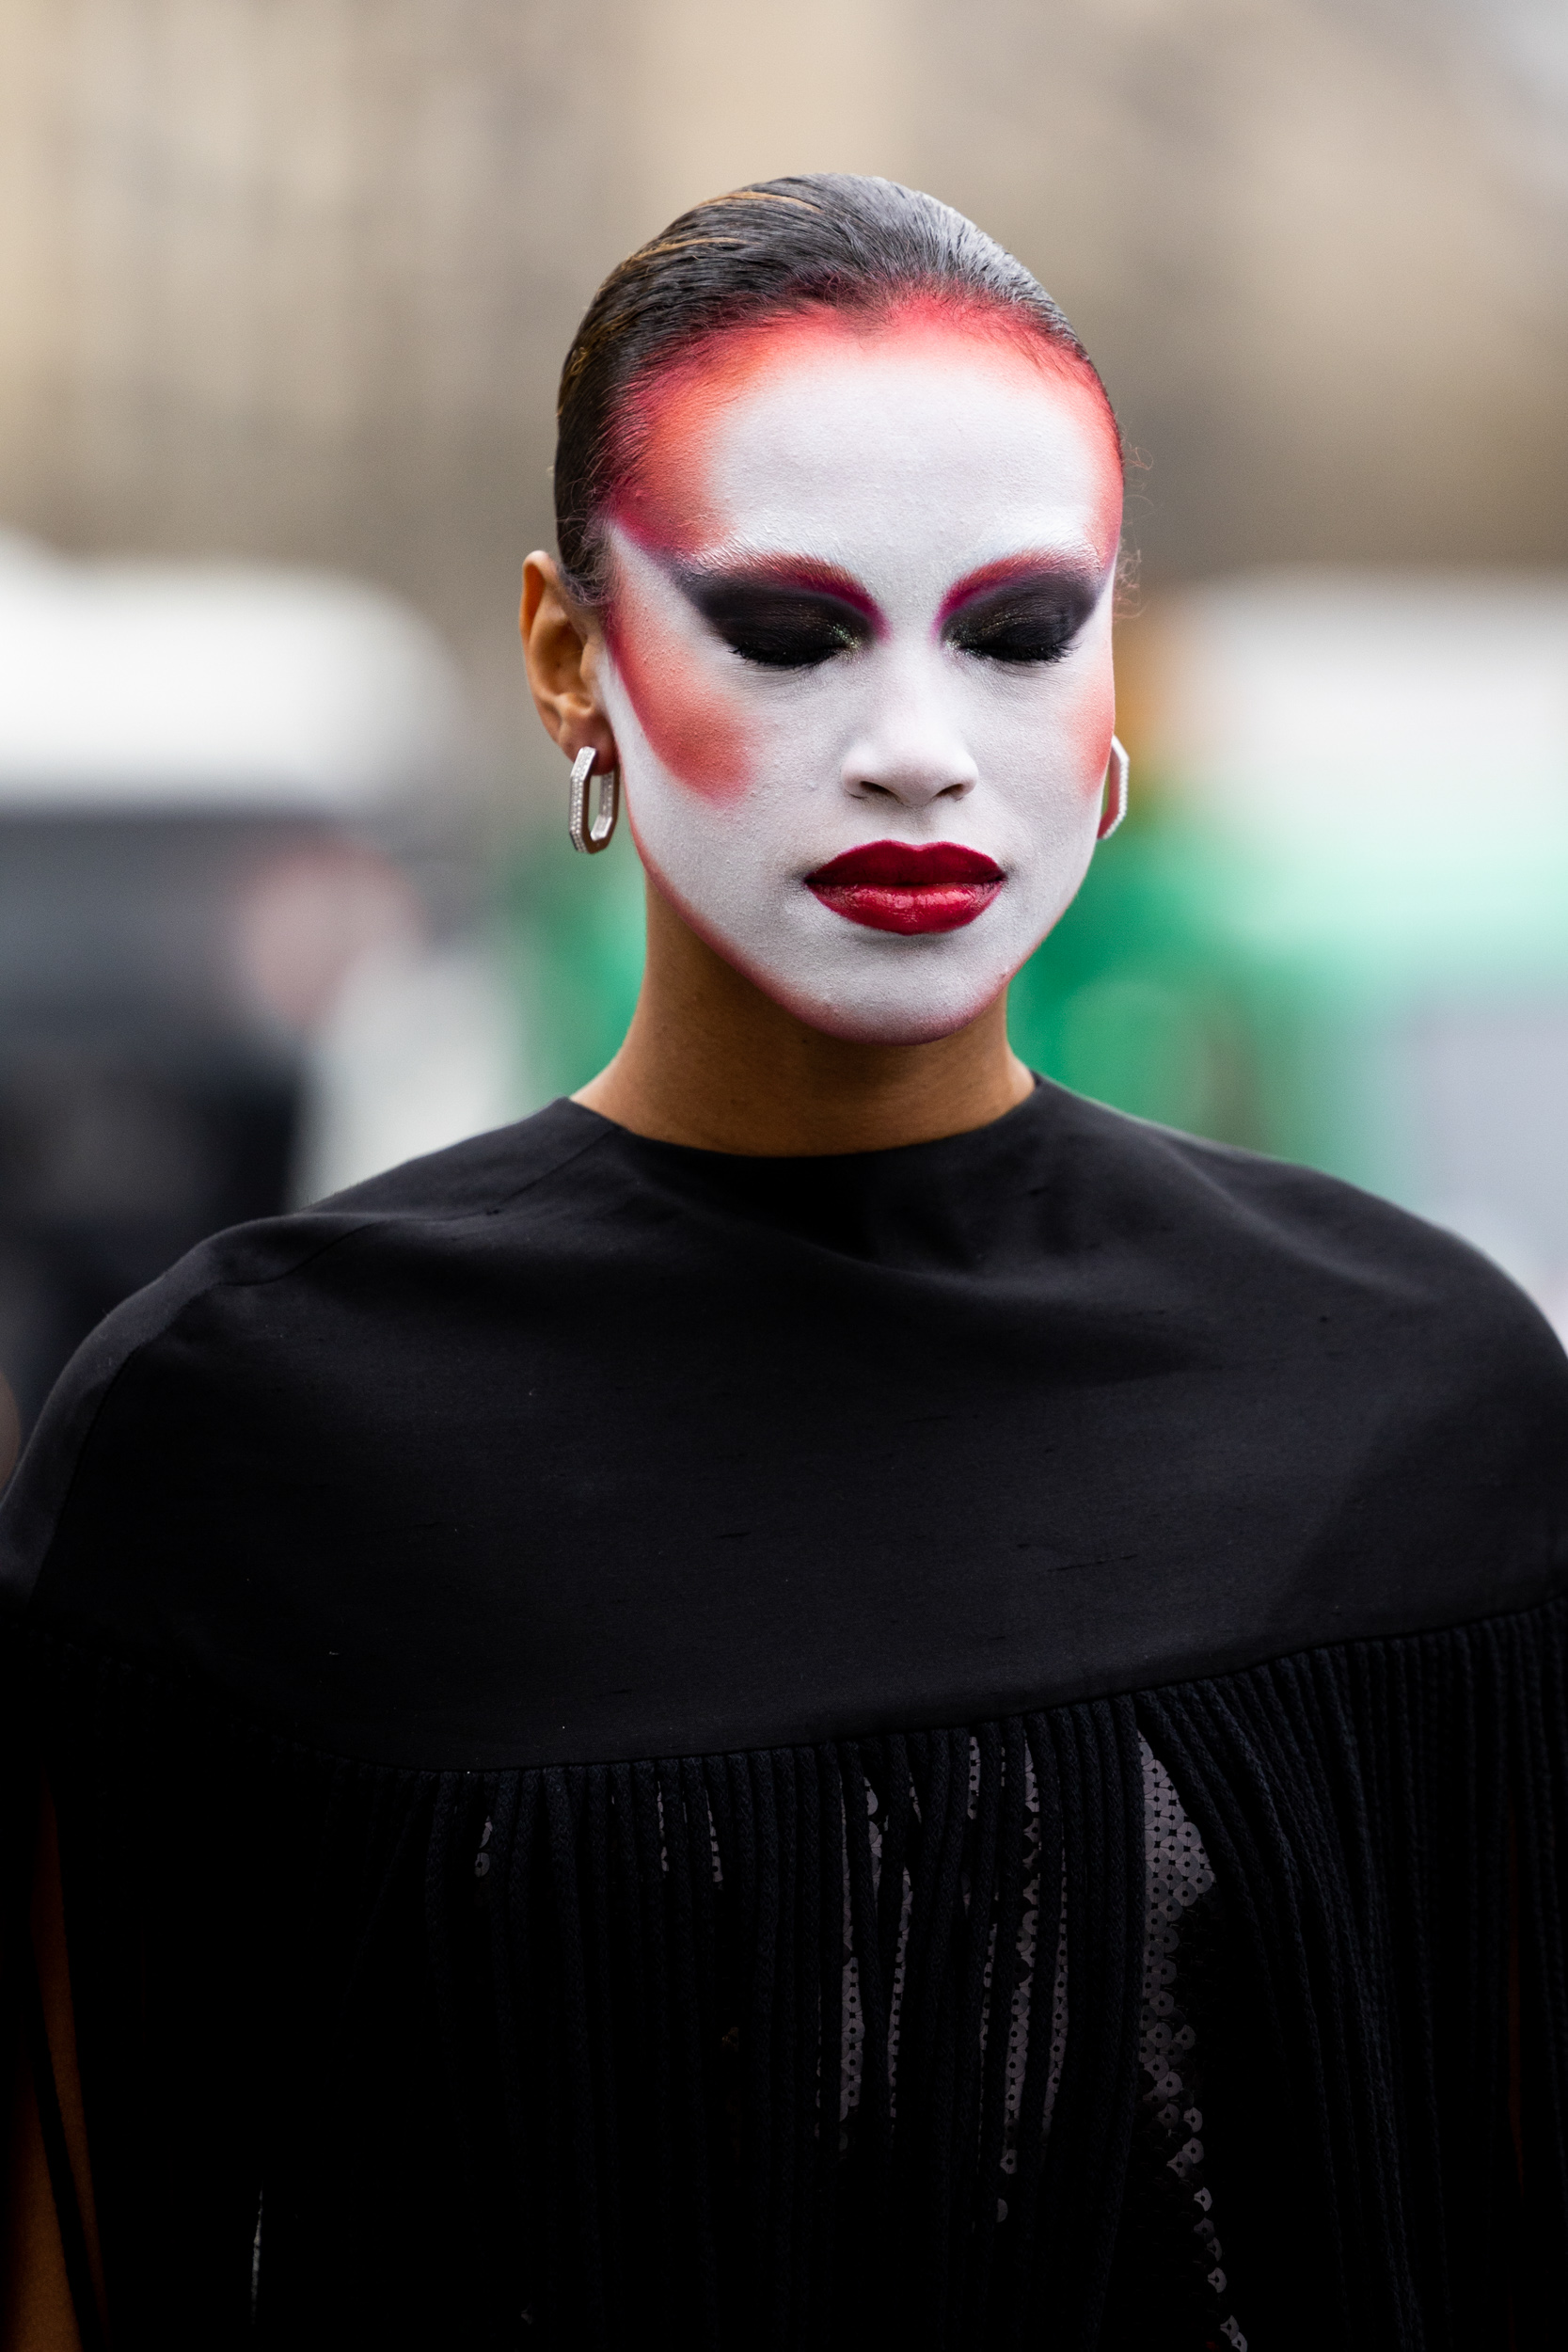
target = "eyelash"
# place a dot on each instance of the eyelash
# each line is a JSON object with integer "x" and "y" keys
{"x": 790, "y": 650}
{"x": 996, "y": 637}
{"x": 796, "y": 637}
{"x": 804, "y": 635}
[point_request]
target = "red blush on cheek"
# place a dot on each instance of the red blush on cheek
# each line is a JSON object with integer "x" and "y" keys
{"x": 1091, "y": 727}
{"x": 701, "y": 735}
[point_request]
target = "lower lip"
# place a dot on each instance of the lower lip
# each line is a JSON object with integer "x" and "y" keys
{"x": 909, "y": 910}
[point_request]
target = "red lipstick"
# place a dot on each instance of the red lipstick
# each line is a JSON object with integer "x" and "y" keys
{"x": 897, "y": 886}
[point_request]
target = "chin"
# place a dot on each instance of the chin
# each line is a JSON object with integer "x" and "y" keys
{"x": 868, "y": 986}
{"x": 912, "y": 1006}
{"x": 879, "y": 1025}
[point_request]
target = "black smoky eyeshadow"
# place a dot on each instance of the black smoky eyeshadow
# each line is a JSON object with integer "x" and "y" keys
{"x": 1034, "y": 622}
{"x": 782, "y": 628}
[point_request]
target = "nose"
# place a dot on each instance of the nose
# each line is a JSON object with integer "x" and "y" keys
{"x": 910, "y": 748}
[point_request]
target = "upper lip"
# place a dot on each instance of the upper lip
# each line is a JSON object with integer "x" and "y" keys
{"x": 907, "y": 866}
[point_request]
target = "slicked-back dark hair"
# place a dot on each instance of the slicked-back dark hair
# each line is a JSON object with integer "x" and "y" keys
{"x": 824, "y": 239}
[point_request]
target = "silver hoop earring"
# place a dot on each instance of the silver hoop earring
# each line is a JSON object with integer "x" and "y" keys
{"x": 1116, "y": 792}
{"x": 591, "y": 838}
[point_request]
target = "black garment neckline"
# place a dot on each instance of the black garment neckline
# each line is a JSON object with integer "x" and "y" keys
{"x": 1036, "y": 1100}
{"x": 570, "y": 1445}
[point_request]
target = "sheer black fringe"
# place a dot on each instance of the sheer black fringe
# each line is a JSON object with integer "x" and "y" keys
{"x": 553, "y": 2057}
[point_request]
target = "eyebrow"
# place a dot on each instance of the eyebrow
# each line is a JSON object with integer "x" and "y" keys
{"x": 1017, "y": 571}
{"x": 800, "y": 575}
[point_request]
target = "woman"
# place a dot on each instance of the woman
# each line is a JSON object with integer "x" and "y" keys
{"x": 826, "y": 1696}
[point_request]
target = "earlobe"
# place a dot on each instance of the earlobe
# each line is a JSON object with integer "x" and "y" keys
{"x": 558, "y": 646}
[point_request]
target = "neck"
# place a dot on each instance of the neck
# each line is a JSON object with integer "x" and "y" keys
{"x": 709, "y": 1061}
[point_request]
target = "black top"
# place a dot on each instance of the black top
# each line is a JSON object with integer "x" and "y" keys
{"x": 565, "y": 1446}
{"x": 643, "y": 1522}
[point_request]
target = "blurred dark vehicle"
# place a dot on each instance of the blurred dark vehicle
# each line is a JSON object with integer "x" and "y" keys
{"x": 214, "y": 797}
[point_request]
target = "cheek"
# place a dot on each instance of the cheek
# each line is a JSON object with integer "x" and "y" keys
{"x": 1058, "y": 737}
{"x": 1089, "y": 727}
{"x": 1087, "y": 711}
{"x": 702, "y": 735}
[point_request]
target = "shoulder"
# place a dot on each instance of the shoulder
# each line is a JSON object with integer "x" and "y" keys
{"x": 1243, "y": 1215}
{"x": 477, "y": 1177}
{"x": 1291, "y": 1262}
{"x": 206, "y": 1346}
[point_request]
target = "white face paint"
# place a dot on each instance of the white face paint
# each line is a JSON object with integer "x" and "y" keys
{"x": 861, "y": 602}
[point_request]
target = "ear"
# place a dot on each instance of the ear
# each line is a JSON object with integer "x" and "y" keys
{"x": 561, "y": 644}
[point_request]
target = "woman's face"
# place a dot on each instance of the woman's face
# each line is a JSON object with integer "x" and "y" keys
{"x": 858, "y": 659}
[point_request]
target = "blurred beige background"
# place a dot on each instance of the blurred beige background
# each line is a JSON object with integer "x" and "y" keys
{"x": 294, "y": 277}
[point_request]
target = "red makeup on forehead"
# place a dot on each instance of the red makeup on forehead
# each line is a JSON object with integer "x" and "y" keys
{"x": 663, "y": 497}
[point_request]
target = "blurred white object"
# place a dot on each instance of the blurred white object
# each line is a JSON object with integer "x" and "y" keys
{"x": 1398, "y": 717}
{"x": 418, "y": 1051}
{"x": 179, "y": 686}
{"x": 1384, "y": 759}
{"x": 407, "y": 1044}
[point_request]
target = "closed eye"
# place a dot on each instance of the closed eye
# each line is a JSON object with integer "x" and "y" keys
{"x": 1033, "y": 622}
{"x": 780, "y": 628}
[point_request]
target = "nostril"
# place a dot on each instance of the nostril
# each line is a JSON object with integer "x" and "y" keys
{"x": 912, "y": 783}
